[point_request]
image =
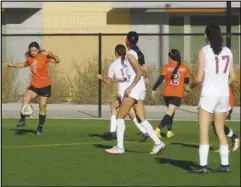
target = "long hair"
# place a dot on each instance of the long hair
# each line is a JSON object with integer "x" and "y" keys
{"x": 132, "y": 39}
{"x": 33, "y": 44}
{"x": 213, "y": 33}
{"x": 121, "y": 51}
{"x": 174, "y": 54}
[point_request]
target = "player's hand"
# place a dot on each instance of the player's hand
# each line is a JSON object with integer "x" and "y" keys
{"x": 44, "y": 52}
{"x": 11, "y": 65}
{"x": 128, "y": 91}
{"x": 50, "y": 53}
{"x": 147, "y": 81}
{"x": 99, "y": 76}
{"x": 153, "y": 93}
{"x": 120, "y": 80}
{"x": 187, "y": 88}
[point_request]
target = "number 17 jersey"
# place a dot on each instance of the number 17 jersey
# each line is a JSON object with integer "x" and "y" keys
{"x": 174, "y": 87}
{"x": 216, "y": 72}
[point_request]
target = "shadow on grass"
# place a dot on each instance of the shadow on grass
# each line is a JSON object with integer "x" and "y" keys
{"x": 102, "y": 146}
{"x": 183, "y": 164}
{"x": 195, "y": 146}
{"x": 23, "y": 131}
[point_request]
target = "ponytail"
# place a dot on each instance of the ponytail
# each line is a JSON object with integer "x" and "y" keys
{"x": 213, "y": 33}
{"x": 141, "y": 57}
{"x": 174, "y": 54}
{"x": 123, "y": 55}
{"x": 121, "y": 51}
{"x": 216, "y": 44}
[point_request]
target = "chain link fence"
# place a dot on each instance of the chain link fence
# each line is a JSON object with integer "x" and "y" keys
{"x": 83, "y": 56}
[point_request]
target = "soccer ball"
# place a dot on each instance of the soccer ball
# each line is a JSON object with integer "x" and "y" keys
{"x": 27, "y": 110}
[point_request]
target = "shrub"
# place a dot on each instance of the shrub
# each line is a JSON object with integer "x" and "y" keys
{"x": 81, "y": 85}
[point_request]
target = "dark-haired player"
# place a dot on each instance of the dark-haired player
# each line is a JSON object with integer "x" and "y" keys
{"x": 176, "y": 75}
{"x": 116, "y": 72}
{"x": 41, "y": 83}
{"x": 215, "y": 72}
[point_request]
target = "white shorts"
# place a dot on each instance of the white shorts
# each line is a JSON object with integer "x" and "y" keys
{"x": 214, "y": 104}
{"x": 138, "y": 95}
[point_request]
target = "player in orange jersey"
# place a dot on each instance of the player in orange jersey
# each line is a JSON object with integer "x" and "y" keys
{"x": 41, "y": 83}
{"x": 229, "y": 132}
{"x": 176, "y": 75}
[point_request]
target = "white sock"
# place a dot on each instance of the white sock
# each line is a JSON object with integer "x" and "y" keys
{"x": 230, "y": 134}
{"x": 203, "y": 154}
{"x": 138, "y": 125}
{"x": 113, "y": 123}
{"x": 224, "y": 154}
{"x": 120, "y": 132}
{"x": 151, "y": 132}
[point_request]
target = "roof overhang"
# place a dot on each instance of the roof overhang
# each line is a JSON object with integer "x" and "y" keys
{"x": 185, "y": 5}
{"x": 6, "y": 5}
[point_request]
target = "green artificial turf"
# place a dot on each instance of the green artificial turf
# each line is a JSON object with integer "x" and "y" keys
{"x": 71, "y": 153}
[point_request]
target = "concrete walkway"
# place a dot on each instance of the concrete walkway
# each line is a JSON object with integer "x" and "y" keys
{"x": 12, "y": 110}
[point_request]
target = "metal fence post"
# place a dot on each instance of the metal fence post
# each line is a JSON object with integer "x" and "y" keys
{"x": 228, "y": 24}
{"x": 99, "y": 82}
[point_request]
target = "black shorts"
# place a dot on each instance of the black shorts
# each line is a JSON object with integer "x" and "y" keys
{"x": 172, "y": 100}
{"x": 44, "y": 92}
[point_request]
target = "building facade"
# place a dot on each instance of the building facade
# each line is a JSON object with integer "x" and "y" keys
{"x": 112, "y": 17}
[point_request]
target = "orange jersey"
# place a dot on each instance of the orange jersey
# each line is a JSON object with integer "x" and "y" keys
{"x": 39, "y": 69}
{"x": 231, "y": 97}
{"x": 175, "y": 87}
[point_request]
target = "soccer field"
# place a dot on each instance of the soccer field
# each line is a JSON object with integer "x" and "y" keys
{"x": 71, "y": 153}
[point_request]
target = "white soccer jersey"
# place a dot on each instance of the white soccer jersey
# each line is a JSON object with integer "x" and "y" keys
{"x": 137, "y": 91}
{"x": 217, "y": 69}
{"x": 117, "y": 70}
{"x": 131, "y": 72}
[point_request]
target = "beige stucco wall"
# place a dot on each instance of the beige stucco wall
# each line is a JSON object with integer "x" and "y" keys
{"x": 80, "y": 17}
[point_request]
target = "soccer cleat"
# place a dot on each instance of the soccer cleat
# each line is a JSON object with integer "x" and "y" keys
{"x": 109, "y": 135}
{"x": 223, "y": 169}
{"x": 21, "y": 123}
{"x": 144, "y": 137}
{"x": 158, "y": 132}
{"x": 235, "y": 144}
{"x": 170, "y": 134}
{"x": 115, "y": 151}
{"x": 201, "y": 170}
{"x": 39, "y": 131}
{"x": 157, "y": 148}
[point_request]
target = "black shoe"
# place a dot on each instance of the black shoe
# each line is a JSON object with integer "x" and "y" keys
{"x": 144, "y": 137}
{"x": 39, "y": 131}
{"x": 201, "y": 170}
{"x": 21, "y": 123}
{"x": 109, "y": 135}
{"x": 223, "y": 169}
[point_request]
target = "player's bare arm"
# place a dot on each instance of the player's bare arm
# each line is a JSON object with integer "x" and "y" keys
{"x": 17, "y": 65}
{"x": 108, "y": 80}
{"x": 104, "y": 79}
{"x": 147, "y": 73}
{"x": 55, "y": 58}
{"x": 200, "y": 72}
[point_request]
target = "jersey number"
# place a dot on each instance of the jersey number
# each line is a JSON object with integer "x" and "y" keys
{"x": 217, "y": 64}
{"x": 176, "y": 78}
{"x": 35, "y": 66}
